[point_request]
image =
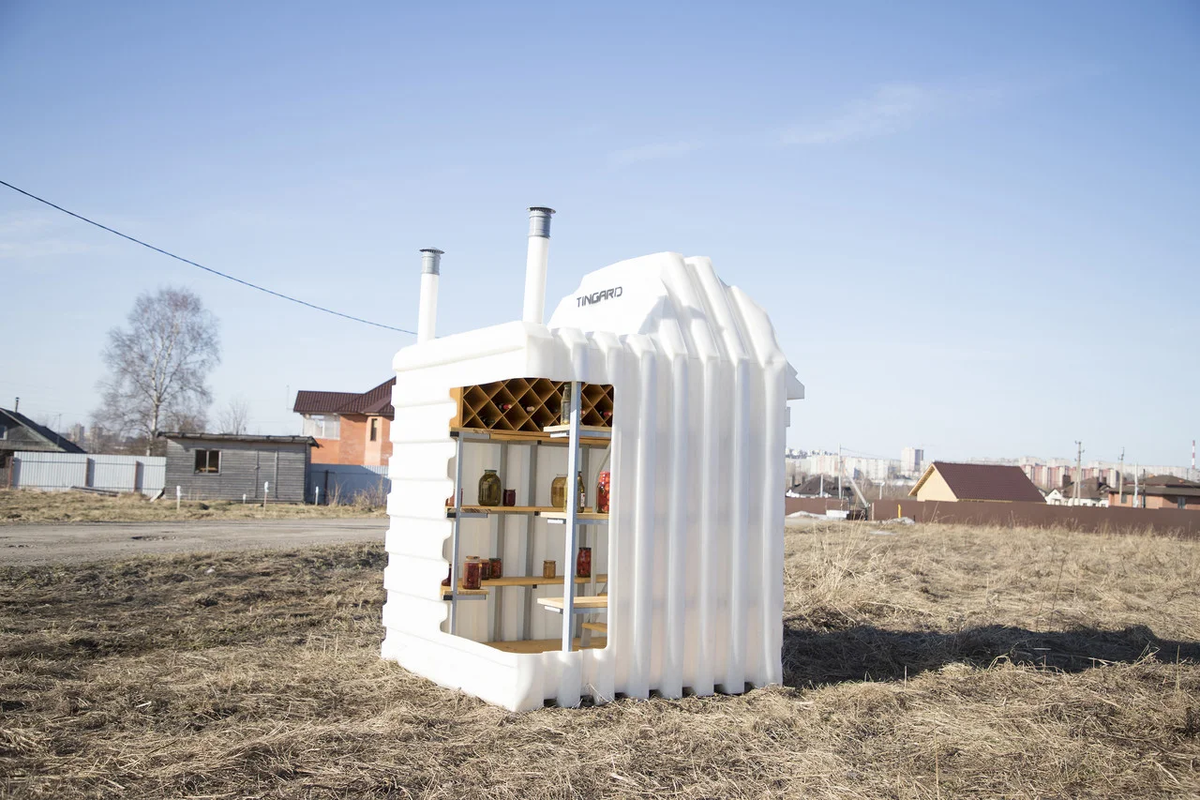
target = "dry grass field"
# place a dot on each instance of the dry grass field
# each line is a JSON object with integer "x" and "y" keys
{"x": 18, "y": 506}
{"x": 937, "y": 662}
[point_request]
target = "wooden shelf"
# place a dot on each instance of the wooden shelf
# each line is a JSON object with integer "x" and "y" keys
{"x": 585, "y": 431}
{"x": 463, "y": 592}
{"x": 598, "y": 627}
{"x": 486, "y": 510}
{"x": 516, "y": 580}
{"x": 547, "y": 512}
{"x": 536, "y": 580}
{"x": 583, "y": 605}
{"x": 544, "y": 645}
{"x": 522, "y": 437}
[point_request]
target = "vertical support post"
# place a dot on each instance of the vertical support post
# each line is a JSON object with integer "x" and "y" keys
{"x": 454, "y": 577}
{"x": 572, "y": 521}
{"x": 527, "y": 542}
{"x": 497, "y": 523}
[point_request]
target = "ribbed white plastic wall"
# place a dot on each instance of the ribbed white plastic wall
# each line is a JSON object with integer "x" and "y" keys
{"x": 695, "y": 534}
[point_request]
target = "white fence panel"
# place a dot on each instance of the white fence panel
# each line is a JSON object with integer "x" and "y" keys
{"x": 344, "y": 483}
{"x": 61, "y": 471}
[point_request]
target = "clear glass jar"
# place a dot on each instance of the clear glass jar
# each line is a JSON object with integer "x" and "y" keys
{"x": 489, "y": 488}
{"x": 558, "y": 492}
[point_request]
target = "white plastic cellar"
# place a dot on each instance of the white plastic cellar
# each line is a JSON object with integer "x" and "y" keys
{"x": 671, "y": 384}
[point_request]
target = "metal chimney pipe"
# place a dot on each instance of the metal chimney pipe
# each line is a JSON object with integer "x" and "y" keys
{"x": 536, "y": 260}
{"x": 431, "y": 269}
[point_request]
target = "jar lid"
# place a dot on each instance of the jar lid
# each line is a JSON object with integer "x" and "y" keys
{"x": 490, "y": 470}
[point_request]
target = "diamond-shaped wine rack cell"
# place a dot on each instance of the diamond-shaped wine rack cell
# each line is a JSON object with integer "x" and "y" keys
{"x": 529, "y": 405}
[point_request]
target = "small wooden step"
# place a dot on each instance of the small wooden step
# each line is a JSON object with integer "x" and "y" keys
{"x": 598, "y": 627}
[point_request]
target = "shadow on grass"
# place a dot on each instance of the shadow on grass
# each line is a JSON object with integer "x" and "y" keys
{"x": 813, "y": 657}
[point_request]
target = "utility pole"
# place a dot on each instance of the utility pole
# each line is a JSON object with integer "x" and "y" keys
{"x": 839, "y": 472}
{"x": 1121, "y": 478}
{"x": 1135, "y": 485}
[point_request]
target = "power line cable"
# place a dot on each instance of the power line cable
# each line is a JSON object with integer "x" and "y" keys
{"x": 201, "y": 266}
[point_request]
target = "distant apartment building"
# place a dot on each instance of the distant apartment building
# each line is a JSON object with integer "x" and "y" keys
{"x": 912, "y": 461}
{"x": 877, "y": 470}
{"x": 350, "y": 427}
{"x": 1054, "y": 473}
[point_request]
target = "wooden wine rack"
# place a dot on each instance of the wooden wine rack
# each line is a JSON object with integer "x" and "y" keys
{"x": 528, "y": 405}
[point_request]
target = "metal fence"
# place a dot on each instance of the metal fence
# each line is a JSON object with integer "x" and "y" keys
{"x": 1042, "y": 515}
{"x": 62, "y": 471}
{"x": 347, "y": 483}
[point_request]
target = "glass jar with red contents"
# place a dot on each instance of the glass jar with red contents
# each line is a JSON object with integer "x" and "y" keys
{"x": 602, "y": 492}
{"x": 496, "y": 568}
{"x": 472, "y": 573}
{"x": 583, "y": 563}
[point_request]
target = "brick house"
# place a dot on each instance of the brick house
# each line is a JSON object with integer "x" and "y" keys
{"x": 1159, "y": 491}
{"x": 350, "y": 427}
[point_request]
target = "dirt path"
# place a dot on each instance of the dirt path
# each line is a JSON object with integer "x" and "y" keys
{"x": 80, "y": 542}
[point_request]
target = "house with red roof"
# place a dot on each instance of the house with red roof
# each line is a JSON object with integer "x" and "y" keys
{"x": 350, "y": 427}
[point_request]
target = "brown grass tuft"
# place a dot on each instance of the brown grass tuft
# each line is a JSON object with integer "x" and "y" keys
{"x": 937, "y": 662}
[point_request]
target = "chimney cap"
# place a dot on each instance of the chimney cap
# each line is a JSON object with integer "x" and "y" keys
{"x": 539, "y": 221}
{"x": 431, "y": 260}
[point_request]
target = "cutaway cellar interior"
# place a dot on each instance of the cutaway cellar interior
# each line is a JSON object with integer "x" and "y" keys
{"x": 507, "y": 585}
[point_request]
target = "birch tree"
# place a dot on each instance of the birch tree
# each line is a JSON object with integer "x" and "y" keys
{"x": 158, "y": 366}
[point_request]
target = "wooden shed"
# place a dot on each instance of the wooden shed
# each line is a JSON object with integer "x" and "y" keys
{"x": 223, "y": 466}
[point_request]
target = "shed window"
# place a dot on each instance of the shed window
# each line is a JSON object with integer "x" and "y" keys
{"x": 1181, "y": 502}
{"x": 374, "y": 428}
{"x": 208, "y": 461}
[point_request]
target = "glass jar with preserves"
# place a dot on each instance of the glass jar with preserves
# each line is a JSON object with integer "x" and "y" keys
{"x": 602, "y": 485}
{"x": 489, "y": 488}
{"x": 548, "y": 569}
{"x": 583, "y": 563}
{"x": 558, "y": 492}
{"x": 472, "y": 573}
{"x": 496, "y": 568}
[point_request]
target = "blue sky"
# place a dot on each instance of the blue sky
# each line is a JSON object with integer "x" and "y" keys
{"x": 973, "y": 225}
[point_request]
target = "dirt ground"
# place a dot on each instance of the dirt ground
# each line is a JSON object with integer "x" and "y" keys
{"x": 931, "y": 662}
{"x": 21, "y": 506}
{"x": 82, "y": 542}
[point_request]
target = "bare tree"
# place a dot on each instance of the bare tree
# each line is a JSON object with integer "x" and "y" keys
{"x": 236, "y": 416}
{"x": 158, "y": 367}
